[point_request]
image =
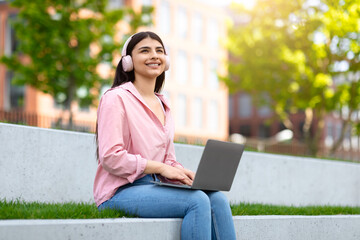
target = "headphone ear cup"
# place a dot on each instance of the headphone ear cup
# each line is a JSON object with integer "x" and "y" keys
{"x": 167, "y": 62}
{"x": 127, "y": 63}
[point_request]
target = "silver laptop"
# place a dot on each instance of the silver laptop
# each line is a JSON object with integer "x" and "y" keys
{"x": 217, "y": 167}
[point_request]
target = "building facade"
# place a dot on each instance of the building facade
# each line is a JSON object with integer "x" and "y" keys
{"x": 192, "y": 32}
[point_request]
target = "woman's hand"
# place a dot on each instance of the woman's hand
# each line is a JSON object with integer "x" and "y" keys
{"x": 183, "y": 175}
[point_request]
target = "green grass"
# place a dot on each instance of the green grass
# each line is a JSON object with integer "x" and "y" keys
{"x": 33, "y": 210}
{"x": 265, "y": 209}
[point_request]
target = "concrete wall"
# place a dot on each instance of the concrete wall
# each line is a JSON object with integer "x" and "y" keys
{"x": 59, "y": 166}
{"x": 46, "y": 165}
{"x": 247, "y": 227}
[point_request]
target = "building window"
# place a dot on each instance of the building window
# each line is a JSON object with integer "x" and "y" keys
{"x": 264, "y": 111}
{"x": 181, "y": 67}
{"x": 115, "y": 4}
{"x": 231, "y": 106}
{"x": 213, "y": 33}
{"x": 182, "y": 22}
{"x": 84, "y": 108}
{"x": 15, "y": 96}
{"x": 198, "y": 113}
{"x": 16, "y": 93}
{"x": 10, "y": 38}
{"x": 146, "y": 2}
{"x": 198, "y": 71}
{"x": 338, "y": 128}
{"x": 197, "y": 28}
{"x": 264, "y": 131}
{"x": 245, "y": 130}
{"x": 167, "y": 95}
{"x": 329, "y": 139}
{"x": 167, "y": 76}
{"x": 213, "y": 115}
{"x": 244, "y": 105}
{"x": 181, "y": 110}
{"x": 347, "y": 139}
{"x": 164, "y": 17}
{"x": 168, "y": 72}
{"x": 213, "y": 77}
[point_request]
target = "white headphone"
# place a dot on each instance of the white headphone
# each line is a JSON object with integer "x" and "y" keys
{"x": 127, "y": 62}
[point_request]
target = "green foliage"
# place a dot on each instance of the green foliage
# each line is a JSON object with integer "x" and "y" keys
{"x": 290, "y": 52}
{"x": 357, "y": 128}
{"x": 55, "y": 38}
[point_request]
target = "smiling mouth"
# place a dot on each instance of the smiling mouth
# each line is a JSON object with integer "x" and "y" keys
{"x": 153, "y": 64}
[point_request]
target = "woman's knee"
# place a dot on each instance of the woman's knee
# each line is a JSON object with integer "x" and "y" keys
{"x": 218, "y": 199}
{"x": 199, "y": 199}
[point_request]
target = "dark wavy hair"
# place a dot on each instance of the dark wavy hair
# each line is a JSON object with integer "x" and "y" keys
{"x": 122, "y": 77}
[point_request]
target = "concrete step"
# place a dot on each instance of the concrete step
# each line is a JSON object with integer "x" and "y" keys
{"x": 338, "y": 227}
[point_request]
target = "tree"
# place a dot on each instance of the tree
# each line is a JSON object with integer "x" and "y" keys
{"x": 341, "y": 34}
{"x": 282, "y": 50}
{"x": 62, "y": 42}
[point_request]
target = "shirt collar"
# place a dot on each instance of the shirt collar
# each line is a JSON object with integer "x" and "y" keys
{"x": 129, "y": 86}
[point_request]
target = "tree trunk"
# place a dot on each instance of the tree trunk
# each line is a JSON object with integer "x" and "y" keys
{"x": 309, "y": 117}
{"x": 313, "y": 143}
{"x": 344, "y": 127}
{"x": 288, "y": 124}
{"x": 319, "y": 131}
{"x": 69, "y": 100}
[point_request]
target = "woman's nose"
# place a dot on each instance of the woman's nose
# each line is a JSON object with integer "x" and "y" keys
{"x": 154, "y": 54}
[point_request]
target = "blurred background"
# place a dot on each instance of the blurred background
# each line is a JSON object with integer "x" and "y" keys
{"x": 279, "y": 76}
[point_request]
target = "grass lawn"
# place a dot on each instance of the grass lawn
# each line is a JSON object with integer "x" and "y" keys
{"x": 22, "y": 210}
{"x": 265, "y": 209}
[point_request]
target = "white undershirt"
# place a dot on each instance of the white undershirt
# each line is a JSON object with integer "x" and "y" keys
{"x": 162, "y": 106}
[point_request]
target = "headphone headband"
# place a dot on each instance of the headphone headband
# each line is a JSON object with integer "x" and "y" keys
{"x": 123, "y": 52}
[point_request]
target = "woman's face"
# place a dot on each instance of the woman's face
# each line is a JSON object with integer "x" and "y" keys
{"x": 148, "y": 58}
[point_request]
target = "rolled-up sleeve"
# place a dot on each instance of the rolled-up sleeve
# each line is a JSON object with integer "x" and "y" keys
{"x": 113, "y": 135}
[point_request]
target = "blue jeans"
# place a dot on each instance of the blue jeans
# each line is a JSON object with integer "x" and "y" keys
{"x": 206, "y": 214}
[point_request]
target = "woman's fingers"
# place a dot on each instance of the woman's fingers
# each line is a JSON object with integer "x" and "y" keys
{"x": 181, "y": 174}
{"x": 188, "y": 177}
{"x": 190, "y": 174}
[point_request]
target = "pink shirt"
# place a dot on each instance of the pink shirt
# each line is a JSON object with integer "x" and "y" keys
{"x": 129, "y": 134}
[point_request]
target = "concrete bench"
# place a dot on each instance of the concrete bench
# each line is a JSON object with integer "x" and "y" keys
{"x": 59, "y": 166}
{"x": 247, "y": 228}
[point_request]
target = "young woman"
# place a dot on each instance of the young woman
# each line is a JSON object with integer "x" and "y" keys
{"x": 135, "y": 146}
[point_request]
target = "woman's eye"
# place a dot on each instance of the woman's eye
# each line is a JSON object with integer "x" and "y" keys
{"x": 144, "y": 51}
